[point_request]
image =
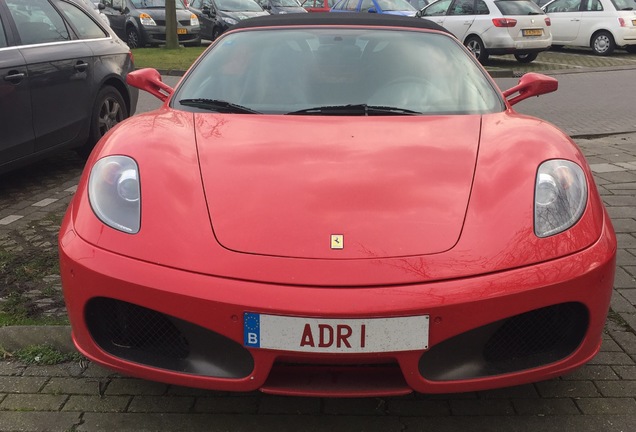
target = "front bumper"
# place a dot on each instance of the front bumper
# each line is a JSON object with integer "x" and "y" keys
{"x": 168, "y": 325}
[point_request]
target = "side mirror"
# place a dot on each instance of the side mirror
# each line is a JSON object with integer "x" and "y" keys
{"x": 531, "y": 84}
{"x": 150, "y": 80}
{"x": 205, "y": 10}
{"x": 100, "y": 6}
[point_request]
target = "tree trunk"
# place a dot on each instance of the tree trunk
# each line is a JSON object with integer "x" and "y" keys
{"x": 172, "y": 41}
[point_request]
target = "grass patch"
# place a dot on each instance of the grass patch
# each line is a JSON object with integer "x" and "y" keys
{"x": 160, "y": 58}
{"x": 44, "y": 355}
{"x": 21, "y": 274}
{"x": 12, "y": 319}
{"x": 23, "y": 267}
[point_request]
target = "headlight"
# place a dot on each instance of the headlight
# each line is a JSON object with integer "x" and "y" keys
{"x": 146, "y": 20}
{"x": 560, "y": 196}
{"x": 194, "y": 21}
{"x": 230, "y": 21}
{"x": 115, "y": 194}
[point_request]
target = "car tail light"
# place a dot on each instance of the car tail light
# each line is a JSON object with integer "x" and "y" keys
{"x": 621, "y": 21}
{"x": 548, "y": 22}
{"x": 504, "y": 22}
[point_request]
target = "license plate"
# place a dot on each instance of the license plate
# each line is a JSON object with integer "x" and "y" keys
{"x": 182, "y": 31}
{"x": 365, "y": 335}
{"x": 532, "y": 32}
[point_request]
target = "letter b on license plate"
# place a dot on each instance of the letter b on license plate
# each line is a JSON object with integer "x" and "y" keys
{"x": 366, "y": 335}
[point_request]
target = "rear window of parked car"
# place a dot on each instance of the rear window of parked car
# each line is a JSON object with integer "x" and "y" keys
{"x": 86, "y": 27}
{"x": 3, "y": 38}
{"x": 624, "y": 4}
{"x": 37, "y": 22}
{"x": 518, "y": 7}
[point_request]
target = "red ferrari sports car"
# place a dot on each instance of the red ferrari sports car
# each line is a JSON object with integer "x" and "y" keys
{"x": 337, "y": 205}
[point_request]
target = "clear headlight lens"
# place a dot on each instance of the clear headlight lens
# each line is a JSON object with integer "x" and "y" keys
{"x": 115, "y": 193}
{"x": 194, "y": 21}
{"x": 230, "y": 21}
{"x": 146, "y": 20}
{"x": 560, "y": 196}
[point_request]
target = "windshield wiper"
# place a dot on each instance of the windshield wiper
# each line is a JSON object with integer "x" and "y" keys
{"x": 217, "y": 105}
{"x": 357, "y": 109}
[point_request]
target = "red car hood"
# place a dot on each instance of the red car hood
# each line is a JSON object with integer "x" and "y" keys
{"x": 282, "y": 186}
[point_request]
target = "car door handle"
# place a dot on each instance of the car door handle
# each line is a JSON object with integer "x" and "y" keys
{"x": 575, "y": 19}
{"x": 14, "y": 77}
{"x": 81, "y": 66}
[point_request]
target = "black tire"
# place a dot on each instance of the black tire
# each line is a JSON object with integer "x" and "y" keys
{"x": 476, "y": 47}
{"x": 556, "y": 47}
{"x": 631, "y": 49}
{"x": 602, "y": 43}
{"x": 133, "y": 39}
{"x": 526, "y": 58}
{"x": 108, "y": 110}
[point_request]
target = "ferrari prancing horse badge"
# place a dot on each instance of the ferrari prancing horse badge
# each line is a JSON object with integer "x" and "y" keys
{"x": 337, "y": 241}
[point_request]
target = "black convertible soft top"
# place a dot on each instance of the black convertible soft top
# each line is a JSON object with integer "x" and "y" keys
{"x": 345, "y": 19}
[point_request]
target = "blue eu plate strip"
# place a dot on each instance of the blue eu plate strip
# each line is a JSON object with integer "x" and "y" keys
{"x": 252, "y": 330}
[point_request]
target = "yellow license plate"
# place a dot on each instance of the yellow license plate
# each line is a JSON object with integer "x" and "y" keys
{"x": 537, "y": 32}
{"x": 182, "y": 31}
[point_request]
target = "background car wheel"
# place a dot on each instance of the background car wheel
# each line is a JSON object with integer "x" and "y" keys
{"x": 631, "y": 49}
{"x": 526, "y": 58}
{"x": 132, "y": 37}
{"x": 476, "y": 46}
{"x": 109, "y": 109}
{"x": 603, "y": 43}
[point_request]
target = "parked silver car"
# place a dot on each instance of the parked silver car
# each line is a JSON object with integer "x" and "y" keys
{"x": 601, "y": 25}
{"x": 488, "y": 27}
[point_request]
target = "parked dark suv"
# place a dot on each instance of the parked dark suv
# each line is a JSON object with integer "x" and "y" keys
{"x": 62, "y": 79}
{"x": 143, "y": 22}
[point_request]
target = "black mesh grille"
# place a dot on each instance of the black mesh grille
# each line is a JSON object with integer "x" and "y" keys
{"x": 531, "y": 339}
{"x": 547, "y": 334}
{"x": 125, "y": 325}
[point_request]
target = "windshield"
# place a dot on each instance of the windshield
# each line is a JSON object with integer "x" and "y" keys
{"x": 395, "y": 5}
{"x": 239, "y": 6}
{"x": 155, "y": 4}
{"x": 322, "y": 71}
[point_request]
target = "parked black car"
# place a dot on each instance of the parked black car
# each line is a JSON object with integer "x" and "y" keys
{"x": 143, "y": 22}
{"x": 62, "y": 79}
{"x": 216, "y": 16}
